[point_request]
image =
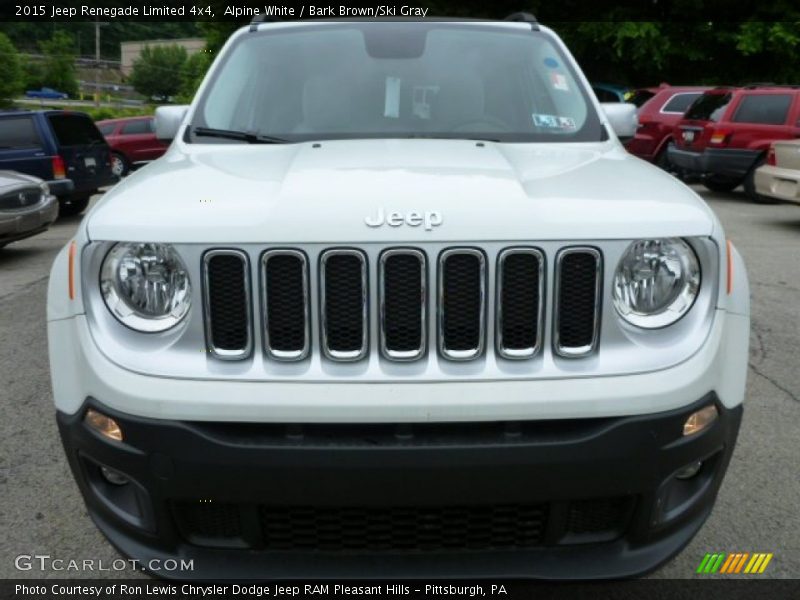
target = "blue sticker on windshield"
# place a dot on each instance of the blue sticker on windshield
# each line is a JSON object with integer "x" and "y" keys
{"x": 551, "y": 63}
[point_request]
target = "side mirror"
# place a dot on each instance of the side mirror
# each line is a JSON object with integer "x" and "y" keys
{"x": 168, "y": 121}
{"x": 622, "y": 118}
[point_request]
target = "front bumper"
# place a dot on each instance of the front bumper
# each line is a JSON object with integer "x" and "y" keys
{"x": 722, "y": 162}
{"x": 777, "y": 182}
{"x": 27, "y": 223}
{"x": 589, "y": 498}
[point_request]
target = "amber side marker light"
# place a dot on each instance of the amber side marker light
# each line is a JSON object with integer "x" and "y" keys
{"x": 104, "y": 425}
{"x": 700, "y": 420}
{"x": 73, "y": 247}
{"x": 730, "y": 267}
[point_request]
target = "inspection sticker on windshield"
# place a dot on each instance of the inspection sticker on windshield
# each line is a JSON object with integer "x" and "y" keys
{"x": 553, "y": 121}
{"x": 559, "y": 82}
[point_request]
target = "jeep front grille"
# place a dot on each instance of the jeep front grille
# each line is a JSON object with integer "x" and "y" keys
{"x": 322, "y": 300}
{"x": 227, "y": 303}
{"x": 578, "y": 287}
{"x": 343, "y": 304}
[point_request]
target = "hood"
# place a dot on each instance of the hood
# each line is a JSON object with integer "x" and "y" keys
{"x": 12, "y": 179}
{"x": 323, "y": 192}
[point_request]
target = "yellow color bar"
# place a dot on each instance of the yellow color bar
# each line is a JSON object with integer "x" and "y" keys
{"x": 764, "y": 564}
{"x": 753, "y": 563}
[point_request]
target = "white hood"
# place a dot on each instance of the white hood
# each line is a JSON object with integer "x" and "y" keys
{"x": 303, "y": 193}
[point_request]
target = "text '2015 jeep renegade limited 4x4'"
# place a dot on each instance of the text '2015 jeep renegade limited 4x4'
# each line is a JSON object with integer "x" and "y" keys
{"x": 396, "y": 301}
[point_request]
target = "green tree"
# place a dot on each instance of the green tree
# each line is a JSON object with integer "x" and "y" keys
{"x": 159, "y": 71}
{"x": 11, "y": 76}
{"x": 59, "y": 63}
{"x": 194, "y": 71}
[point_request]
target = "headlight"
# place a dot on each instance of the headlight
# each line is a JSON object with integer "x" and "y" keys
{"x": 145, "y": 286}
{"x": 656, "y": 282}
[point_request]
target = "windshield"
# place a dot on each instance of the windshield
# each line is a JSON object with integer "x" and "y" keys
{"x": 412, "y": 79}
{"x": 708, "y": 107}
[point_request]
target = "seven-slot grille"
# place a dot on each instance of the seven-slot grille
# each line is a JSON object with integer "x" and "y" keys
{"x": 460, "y": 315}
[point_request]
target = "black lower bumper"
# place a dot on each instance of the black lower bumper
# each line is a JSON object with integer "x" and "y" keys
{"x": 729, "y": 163}
{"x": 592, "y": 498}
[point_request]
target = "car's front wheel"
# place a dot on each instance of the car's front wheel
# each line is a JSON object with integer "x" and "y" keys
{"x": 119, "y": 164}
{"x": 720, "y": 184}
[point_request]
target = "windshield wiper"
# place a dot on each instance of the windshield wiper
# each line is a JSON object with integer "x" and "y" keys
{"x": 228, "y": 134}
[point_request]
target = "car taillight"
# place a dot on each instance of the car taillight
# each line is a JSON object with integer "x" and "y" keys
{"x": 719, "y": 136}
{"x": 771, "y": 157}
{"x": 59, "y": 169}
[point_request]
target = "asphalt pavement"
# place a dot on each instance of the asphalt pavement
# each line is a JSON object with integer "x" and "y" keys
{"x": 41, "y": 511}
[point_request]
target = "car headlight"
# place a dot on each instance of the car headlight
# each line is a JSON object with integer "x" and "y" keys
{"x": 145, "y": 286}
{"x": 656, "y": 282}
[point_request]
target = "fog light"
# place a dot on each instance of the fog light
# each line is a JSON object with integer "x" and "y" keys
{"x": 689, "y": 471}
{"x": 700, "y": 420}
{"x": 113, "y": 477}
{"x": 104, "y": 425}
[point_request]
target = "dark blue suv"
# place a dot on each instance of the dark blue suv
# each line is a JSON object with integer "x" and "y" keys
{"x": 64, "y": 148}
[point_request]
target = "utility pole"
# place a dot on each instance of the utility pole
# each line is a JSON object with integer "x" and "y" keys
{"x": 97, "y": 63}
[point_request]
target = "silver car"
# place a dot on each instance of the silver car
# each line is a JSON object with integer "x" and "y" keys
{"x": 26, "y": 206}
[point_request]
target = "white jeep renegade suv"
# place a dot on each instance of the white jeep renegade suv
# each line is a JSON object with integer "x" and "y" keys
{"x": 397, "y": 302}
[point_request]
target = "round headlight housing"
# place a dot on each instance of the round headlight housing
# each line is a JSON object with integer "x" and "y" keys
{"x": 145, "y": 286}
{"x": 656, "y": 282}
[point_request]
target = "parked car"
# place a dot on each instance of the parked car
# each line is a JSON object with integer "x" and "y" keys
{"x": 26, "y": 206}
{"x": 660, "y": 109}
{"x": 726, "y": 133}
{"x": 62, "y": 147}
{"x": 133, "y": 142}
{"x": 779, "y": 177}
{"x": 397, "y": 302}
{"x": 611, "y": 92}
{"x": 46, "y": 93}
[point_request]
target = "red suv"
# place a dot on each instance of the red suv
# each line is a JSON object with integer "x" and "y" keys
{"x": 725, "y": 135}
{"x": 658, "y": 116}
{"x": 132, "y": 140}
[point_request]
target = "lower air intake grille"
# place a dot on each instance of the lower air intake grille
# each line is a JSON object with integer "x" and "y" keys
{"x": 200, "y": 521}
{"x": 403, "y": 301}
{"x": 462, "y": 294}
{"x": 286, "y": 304}
{"x": 227, "y": 301}
{"x": 344, "y": 304}
{"x": 402, "y": 529}
{"x": 579, "y": 273}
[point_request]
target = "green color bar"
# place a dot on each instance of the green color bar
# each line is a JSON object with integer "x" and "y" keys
{"x": 711, "y": 562}
{"x": 718, "y": 564}
{"x": 703, "y": 563}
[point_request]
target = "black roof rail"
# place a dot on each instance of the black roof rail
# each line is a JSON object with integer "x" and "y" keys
{"x": 262, "y": 18}
{"x": 523, "y": 17}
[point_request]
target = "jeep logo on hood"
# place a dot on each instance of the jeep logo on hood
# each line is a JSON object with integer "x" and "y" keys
{"x": 429, "y": 219}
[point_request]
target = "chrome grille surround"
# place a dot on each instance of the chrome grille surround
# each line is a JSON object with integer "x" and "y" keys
{"x": 587, "y": 349}
{"x": 519, "y": 353}
{"x": 461, "y": 355}
{"x": 332, "y": 353}
{"x": 285, "y": 355}
{"x": 403, "y": 355}
{"x": 222, "y": 353}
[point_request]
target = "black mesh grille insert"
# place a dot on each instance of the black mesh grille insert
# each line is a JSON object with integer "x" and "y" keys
{"x": 286, "y": 302}
{"x": 200, "y": 521}
{"x": 402, "y": 529}
{"x": 599, "y": 519}
{"x": 462, "y": 301}
{"x": 344, "y": 302}
{"x": 519, "y": 299}
{"x": 577, "y": 296}
{"x": 403, "y": 298}
{"x": 227, "y": 302}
